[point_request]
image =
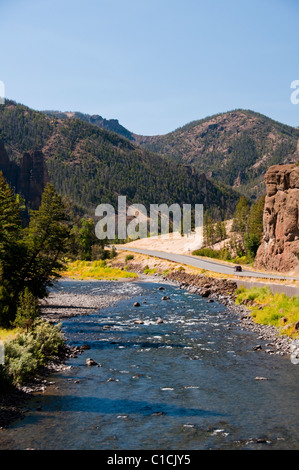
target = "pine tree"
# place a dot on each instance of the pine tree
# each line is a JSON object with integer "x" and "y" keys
{"x": 30, "y": 258}
{"x": 12, "y": 249}
{"x": 27, "y": 310}
{"x": 253, "y": 238}
{"x": 240, "y": 222}
{"x": 47, "y": 243}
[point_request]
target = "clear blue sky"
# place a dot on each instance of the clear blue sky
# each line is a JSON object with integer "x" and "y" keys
{"x": 153, "y": 64}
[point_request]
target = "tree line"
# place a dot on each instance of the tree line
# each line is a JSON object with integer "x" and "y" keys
{"x": 33, "y": 255}
{"x": 247, "y": 230}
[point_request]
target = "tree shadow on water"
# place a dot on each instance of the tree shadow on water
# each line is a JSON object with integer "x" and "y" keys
{"x": 108, "y": 406}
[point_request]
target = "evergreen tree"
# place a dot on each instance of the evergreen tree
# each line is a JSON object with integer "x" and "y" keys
{"x": 240, "y": 222}
{"x": 30, "y": 258}
{"x": 87, "y": 238}
{"x": 208, "y": 230}
{"x": 220, "y": 230}
{"x": 253, "y": 238}
{"x": 12, "y": 249}
{"x": 27, "y": 310}
{"x": 47, "y": 243}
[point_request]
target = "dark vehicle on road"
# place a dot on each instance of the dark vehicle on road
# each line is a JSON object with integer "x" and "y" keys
{"x": 238, "y": 269}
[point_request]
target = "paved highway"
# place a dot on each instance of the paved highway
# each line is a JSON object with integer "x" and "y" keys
{"x": 202, "y": 263}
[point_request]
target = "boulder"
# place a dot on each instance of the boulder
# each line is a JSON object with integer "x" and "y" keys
{"x": 205, "y": 292}
{"x": 90, "y": 362}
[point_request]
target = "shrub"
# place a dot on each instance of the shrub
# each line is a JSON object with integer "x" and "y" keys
{"x": 128, "y": 257}
{"x": 150, "y": 271}
{"x": 25, "y": 354}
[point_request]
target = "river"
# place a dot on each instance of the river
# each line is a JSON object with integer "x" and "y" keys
{"x": 188, "y": 382}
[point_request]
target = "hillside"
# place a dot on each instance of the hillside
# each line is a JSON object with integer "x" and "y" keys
{"x": 112, "y": 125}
{"x": 91, "y": 165}
{"x": 236, "y": 147}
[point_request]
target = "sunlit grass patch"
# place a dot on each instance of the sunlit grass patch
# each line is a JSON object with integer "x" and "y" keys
{"x": 267, "y": 308}
{"x": 85, "y": 270}
{"x": 8, "y": 334}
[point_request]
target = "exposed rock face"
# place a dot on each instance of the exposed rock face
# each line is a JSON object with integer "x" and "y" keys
{"x": 9, "y": 169}
{"x": 280, "y": 246}
{"x": 28, "y": 178}
{"x": 33, "y": 177}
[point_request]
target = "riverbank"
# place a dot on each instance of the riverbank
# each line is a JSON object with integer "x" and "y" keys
{"x": 58, "y": 306}
{"x": 224, "y": 291}
{"x": 62, "y": 305}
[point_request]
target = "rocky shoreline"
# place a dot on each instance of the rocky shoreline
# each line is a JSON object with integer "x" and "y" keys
{"x": 12, "y": 402}
{"x": 60, "y": 305}
{"x": 223, "y": 291}
{"x": 56, "y": 307}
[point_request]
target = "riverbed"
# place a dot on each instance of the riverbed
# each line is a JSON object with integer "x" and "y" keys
{"x": 172, "y": 370}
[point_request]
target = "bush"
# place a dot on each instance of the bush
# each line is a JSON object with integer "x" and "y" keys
{"x": 128, "y": 257}
{"x": 25, "y": 354}
{"x": 150, "y": 271}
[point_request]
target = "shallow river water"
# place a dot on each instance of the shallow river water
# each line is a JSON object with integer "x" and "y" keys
{"x": 186, "y": 383}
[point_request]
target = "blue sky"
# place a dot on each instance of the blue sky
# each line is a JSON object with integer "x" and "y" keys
{"x": 153, "y": 64}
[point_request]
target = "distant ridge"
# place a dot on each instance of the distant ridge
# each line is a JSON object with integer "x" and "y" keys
{"x": 91, "y": 165}
{"x": 108, "y": 124}
{"x": 235, "y": 147}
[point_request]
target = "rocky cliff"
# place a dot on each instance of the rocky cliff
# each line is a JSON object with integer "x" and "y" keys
{"x": 279, "y": 249}
{"x": 28, "y": 177}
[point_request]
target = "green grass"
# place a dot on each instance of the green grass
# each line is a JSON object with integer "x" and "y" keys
{"x": 223, "y": 255}
{"x": 85, "y": 270}
{"x": 150, "y": 271}
{"x": 278, "y": 309}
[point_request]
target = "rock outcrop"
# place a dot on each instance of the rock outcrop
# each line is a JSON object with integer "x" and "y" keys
{"x": 33, "y": 177}
{"x": 9, "y": 169}
{"x": 279, "y": 249}
{"x": 28, "y": 177}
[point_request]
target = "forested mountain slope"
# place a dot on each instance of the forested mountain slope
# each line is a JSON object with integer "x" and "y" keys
{"x": 91, "y": 165}
{"x": 236, "y": 147}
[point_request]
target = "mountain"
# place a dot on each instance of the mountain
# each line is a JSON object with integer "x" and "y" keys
{"x": 91, "y": 165}
{"x": 112, "y": 125}
{"x": 235, "y": 147}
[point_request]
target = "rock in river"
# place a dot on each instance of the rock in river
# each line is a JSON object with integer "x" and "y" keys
{"x": 91, "y": 362}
